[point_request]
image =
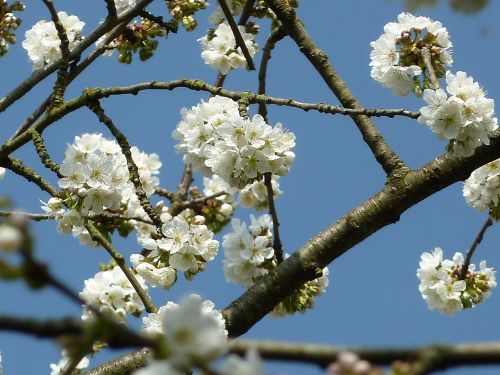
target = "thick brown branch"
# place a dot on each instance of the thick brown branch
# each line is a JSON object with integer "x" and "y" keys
{"x": 383, "y": 153}
{"x": 383, "y": 209}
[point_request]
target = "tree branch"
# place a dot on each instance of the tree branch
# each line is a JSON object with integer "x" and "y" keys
{"x": 383, "y": 153}
{"x": 91, "y": 95}
{"x": 277, "y": 246}
{"x": 236, "y": 32}
{"x": 426, "y": 56}
{"x": 472, "y": 248}
{"x": 40, "y": 74}
{"x": 443, "y": 356}
{"x": 275, "y": 36}
{"x": 384, "y": 208}
{"x": 120, "y": 261}
{"x": 135, "y": 178}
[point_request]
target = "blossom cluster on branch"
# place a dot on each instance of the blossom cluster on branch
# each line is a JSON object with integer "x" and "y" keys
{"x": 444, "y": 289}
{"x": 215, "y": 139}
{"x": 42, "y": 41}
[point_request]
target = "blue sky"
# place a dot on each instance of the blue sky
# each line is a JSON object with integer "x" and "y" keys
{"x": 373, "y": 296}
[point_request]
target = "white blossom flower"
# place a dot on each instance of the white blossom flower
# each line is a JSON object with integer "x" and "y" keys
{"x": 42, "y": 41}
{"x": 463, "y": 115}
{"x": 11, "y": 237}
{"x": 443, "y": 289}
{"x": 220, "y": 51}
{"x": 250, "y": 365}
{"x": 193, "y": 330}
{"x": 396, "y": 57}
{"x": 2, "y": 173}
{"x": 187, "y": 244}
{"x": 158, "y": 367}
{"x": 123, "y": 5}
{"x": 96, "y": 177}
{"x": 235, "y": 7}
{"x": 482, "y": 189}
{"x": 56, "y": 369}
{"x": 111, "y": 292}
{"x": 238, "y": 150}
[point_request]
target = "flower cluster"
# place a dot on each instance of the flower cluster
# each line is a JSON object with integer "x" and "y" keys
{"x": 255, "y": 196}
{"x": 110, "y": 292}
{"x": 397, "y": 60}
{"x": 348, "y": 363}
{"x": 249, "y": 255}
{"x": 194, "y": 332}
{"x": 187, "y": 244}
{"x": 8, "y": 23}
{"x": 462, "y": 115}
{"x": 42, "y": 41}
{"x": 183, "y": 11}
{"x": 216, "y": 140}
{"x": 95, "y": 180}
{"x": 248, "y": 252}
{"x": 482, "y": 188}
{"x": 442, "y": 287}
{"x": 220, "y": 50}
{"x": 57, "y": 369}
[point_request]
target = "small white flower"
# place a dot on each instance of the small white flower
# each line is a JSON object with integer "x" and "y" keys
{"x": 194, "y": 331}
{"x": 56, "y": 369}
{"x": 250, "y": 365}
{"x": 10, "y": 237}
{"x": 219, "y": 49}
{"x": 42, "y": 41}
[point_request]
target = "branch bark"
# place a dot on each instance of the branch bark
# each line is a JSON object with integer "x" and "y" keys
{"x": 384, "y": 208}
{"x": 383, "y": 153}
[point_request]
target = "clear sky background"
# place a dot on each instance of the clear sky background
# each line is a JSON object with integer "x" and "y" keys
{"x": 373, "y": 296}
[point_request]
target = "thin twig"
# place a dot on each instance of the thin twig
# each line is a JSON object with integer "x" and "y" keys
{"x": 41, "y": 150}
{"x": 240, "y": 42}
{"x": 27, "y": 215}
{"x": 426, "y": 57}
{"x": 98, "y": 93}
{"x": 120, "y": 336}
{"x": 120, "y": 261}
{"x": 472, "y": 248}
{"x": 164, "y": 193}
{"x": 277, "y": 245}
{"x": 61, "y": 31}
{"x": 383, "y": 153}
{"x": 37, "y": 76}
{"x": 18, "y": 167}
{"x": 181, "y": 195}
{"x": 132, "y": 167}
{"x": 442, "y": 356}
{"x": 74, "y": 72}
{"x": 275, "y": 36}
{"x": 91, "y": 216}
{"x": 246, "y": 12}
